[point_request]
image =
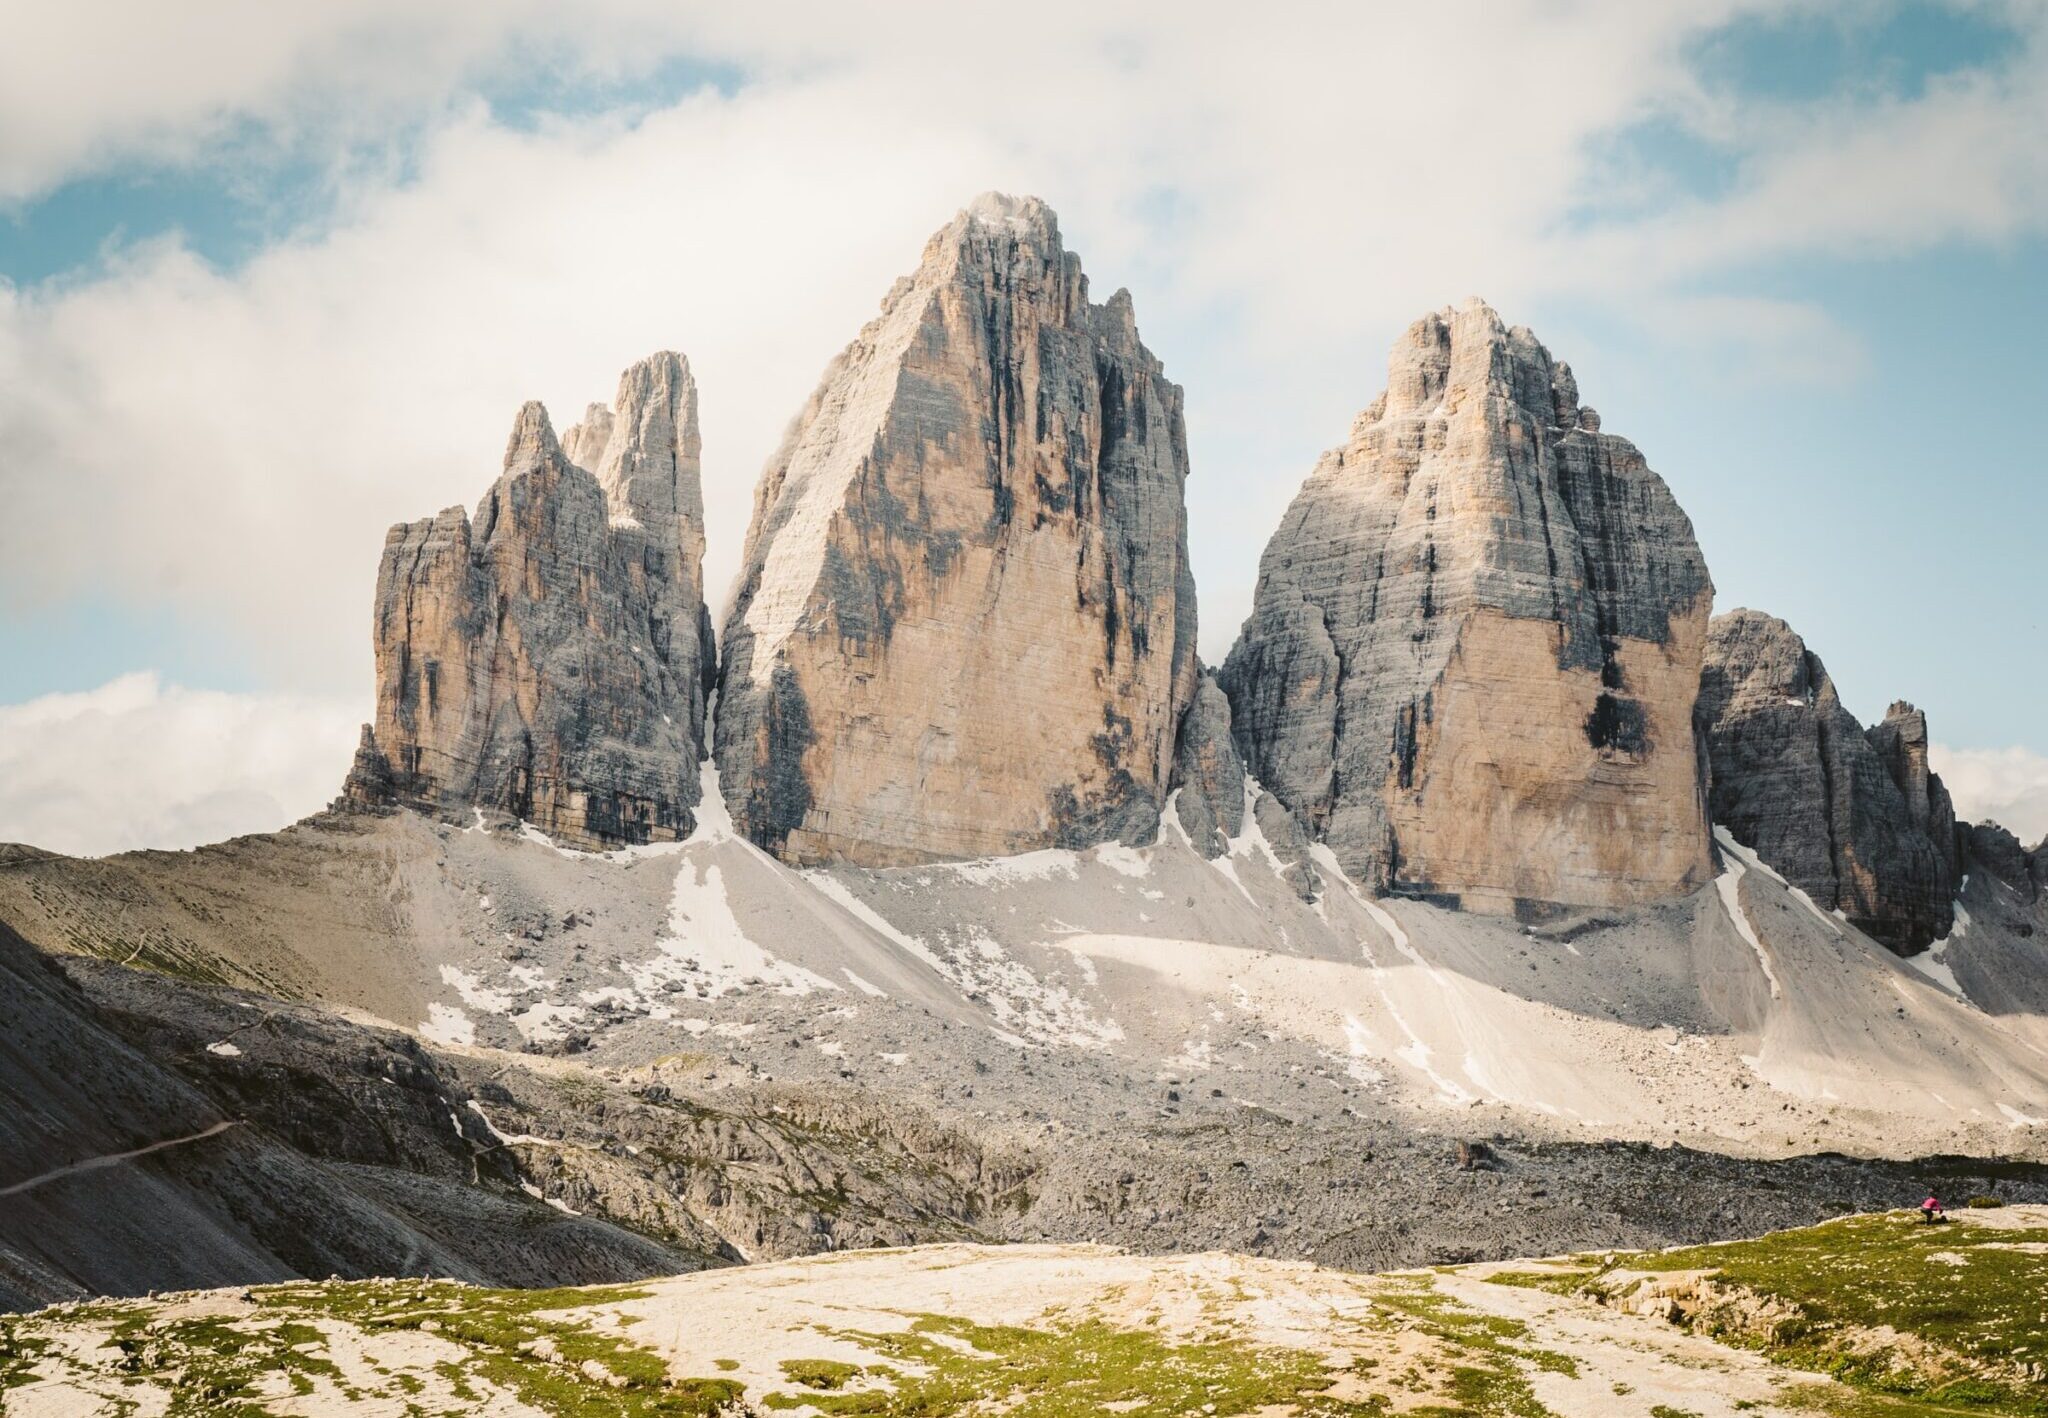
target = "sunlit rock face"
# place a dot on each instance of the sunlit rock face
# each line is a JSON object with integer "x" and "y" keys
{"x": 1851, "y": 817}
{"x": 550, "y": 658}
{"x": 965, "y": 623}
{"x": 1475, "y": 644}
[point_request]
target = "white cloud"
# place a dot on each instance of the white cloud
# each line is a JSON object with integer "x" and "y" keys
{"x": 2008, "y": 786}
{"x": 136, "y": 763}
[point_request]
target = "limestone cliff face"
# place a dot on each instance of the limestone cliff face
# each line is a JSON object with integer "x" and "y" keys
{"x": 1208, "y": 773}
{"x": 964, "y": 623}
{"x": 1853, "y": 819}
{"x": 550, "y": 659}
{"x": 1475, "y": 644}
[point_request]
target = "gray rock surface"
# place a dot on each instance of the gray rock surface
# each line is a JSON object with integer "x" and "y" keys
{"x": 1855, "y": 821}
{"x": 551, "y": 659}
{"x": 965, "y": 624}
{"x": 1990, "y": 848}
{"x": 1473, "y": 651}
{"x": 1208, "y": 773}
{"x": 1901, "y": 743}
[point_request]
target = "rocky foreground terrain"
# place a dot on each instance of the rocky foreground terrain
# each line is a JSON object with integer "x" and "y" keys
{"x": 1854, "y": 1317}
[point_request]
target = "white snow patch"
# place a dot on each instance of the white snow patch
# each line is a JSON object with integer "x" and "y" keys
{"x": 544, "y": 1023}
{"x": 473, "y": 992}
{"x": 446, "y": 1024}
{"x": 508, "y": 1139}
{"x": 895, "y": 1060}
{"x": 1123, "y": 860}
{"x": 866, "y": 987}
{"x": 224, "y": 1049}
{"x": 1729, "y": 885}
{"x": 708, "y": 952}
{"x": 2021, "y": 1120}
{"x": 1933, "y": 961}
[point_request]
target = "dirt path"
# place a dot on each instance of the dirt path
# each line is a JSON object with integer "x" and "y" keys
{"x": 114, "y": 1159}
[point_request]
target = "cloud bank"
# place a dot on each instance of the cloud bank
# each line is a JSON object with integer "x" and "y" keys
{"x": 2008, "y": 786}
{"x": 137, "y": 763}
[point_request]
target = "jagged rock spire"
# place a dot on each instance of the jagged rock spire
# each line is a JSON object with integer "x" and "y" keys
{"x": 548, "y": 659}
{"x": 965, "y": 623}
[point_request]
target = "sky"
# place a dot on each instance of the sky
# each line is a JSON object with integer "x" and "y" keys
{"x": 273, "y": 277}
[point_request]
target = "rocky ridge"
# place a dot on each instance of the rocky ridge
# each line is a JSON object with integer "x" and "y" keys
{"x": 1854, "y": 818}
{"x": 965, "y": 623}
{"x": 550, "y": 659}
{"x": 1473, "y": 652}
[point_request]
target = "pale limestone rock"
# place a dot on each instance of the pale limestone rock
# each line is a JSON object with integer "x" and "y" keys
{"x": 965, "y": 624}
{"x": 1473, "y": 652}
{"x": 550, "y": 659}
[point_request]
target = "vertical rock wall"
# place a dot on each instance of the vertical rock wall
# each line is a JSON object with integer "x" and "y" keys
{"x": 1855, "y": 820}
{"x": 965, "y": 623}
{"x": 1475, "y": 643}
{"x": 550, "y": 659}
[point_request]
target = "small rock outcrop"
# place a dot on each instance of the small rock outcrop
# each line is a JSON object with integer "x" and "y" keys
{"x": 1989, "y": 848}
{"x": 965, "y": 624}
{"x": 1475, "y": 644}
{"x": 1854, "y": 819}
{"x": 1207, "y": 772}
{"x": 550, "y": 659}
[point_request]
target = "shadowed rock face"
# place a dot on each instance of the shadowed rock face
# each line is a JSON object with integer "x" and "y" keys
{"x": 1472, "y": 656}
{"x": 1854, "y": 820}
{"x": 965, "y": 624}
{"x": 1208, "y": 773}
{"x": 550, "y": 660}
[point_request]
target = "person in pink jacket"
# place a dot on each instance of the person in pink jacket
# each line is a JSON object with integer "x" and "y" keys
{"x": 1930, "y": 1209}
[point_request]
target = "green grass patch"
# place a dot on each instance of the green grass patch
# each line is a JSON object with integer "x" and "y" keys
{"x": 1972, "y": 1293}
{"x": 943, "y": 1365}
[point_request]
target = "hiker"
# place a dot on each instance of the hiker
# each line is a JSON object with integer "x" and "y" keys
{"x": 1930, "y": 1210}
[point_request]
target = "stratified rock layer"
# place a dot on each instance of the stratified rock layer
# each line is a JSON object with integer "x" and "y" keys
{"x": 965, "y": 624}
{"x": 550, "y": 660}
{"x": 1472, "y": 656}
{"x": 1854, "y": 820}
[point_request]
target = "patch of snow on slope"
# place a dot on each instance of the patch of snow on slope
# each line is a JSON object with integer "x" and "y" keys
{"x": 544, "y": 1023}
{"x": 1123, "y": 860}
{"x": 2021, "y": 1120}
{"x": 473, "y": 992}
{"x": 866, "y": 987}
{"x": 1933, "y": 961}
{"x": 446, "y": 1024}
{"x": 708, "y": 953}
{"x": 1416, "y": 1053}
{"x": 1249, "y": 842}
{"x": 224, "y": 1049}
{"x": 508, "y": 1139}
{"x": 1729, "y": 884}
{"x": 1034, "y": 1010}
